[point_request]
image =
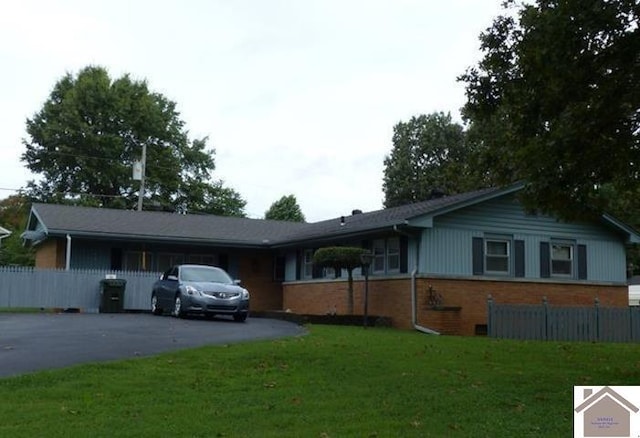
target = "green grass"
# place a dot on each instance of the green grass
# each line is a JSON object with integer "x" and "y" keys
{"x": 334, "y": 382}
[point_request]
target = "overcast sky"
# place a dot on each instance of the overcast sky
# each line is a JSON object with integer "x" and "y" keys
{"x": 297, "y": 97}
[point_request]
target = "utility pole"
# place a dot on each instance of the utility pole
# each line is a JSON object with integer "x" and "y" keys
{"x": 143, "y": 166}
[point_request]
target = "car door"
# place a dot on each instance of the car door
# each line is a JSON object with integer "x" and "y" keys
{"x": 167, "y": 287}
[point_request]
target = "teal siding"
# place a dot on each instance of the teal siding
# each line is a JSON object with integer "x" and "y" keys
{"x": 447, "y": 251}
{"x": 447, "y": 246}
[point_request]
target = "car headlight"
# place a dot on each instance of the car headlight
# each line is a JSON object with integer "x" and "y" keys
{"x": 245, "y": 294}
{"x": 192, "y": 290}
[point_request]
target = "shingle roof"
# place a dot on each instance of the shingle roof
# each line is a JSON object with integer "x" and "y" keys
{"x": 109, "y": 223}
{"x": 149, "y": 225}
{"x": 363, "y": 222}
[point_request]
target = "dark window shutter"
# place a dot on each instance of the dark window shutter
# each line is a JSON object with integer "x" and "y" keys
{"x": 478, "y": 255}
{"x": 545, "y": 262}
{"x": 298, "y": 264}
{"x": 582, "y": 262}
{"x": 279, "y": 268}
{"x": 518, "y": 258}
{"x": 404, "y": 254}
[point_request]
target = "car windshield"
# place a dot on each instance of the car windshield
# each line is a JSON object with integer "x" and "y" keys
{"x": 204, "y": 274}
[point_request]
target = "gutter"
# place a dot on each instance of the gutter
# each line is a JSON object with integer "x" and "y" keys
{"x": 159, "y": 239}
{"x": 67, "y": 265}
{"x": 414, "y": 291}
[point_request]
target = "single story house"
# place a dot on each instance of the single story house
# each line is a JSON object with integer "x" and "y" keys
{"x": 434, "y": 262}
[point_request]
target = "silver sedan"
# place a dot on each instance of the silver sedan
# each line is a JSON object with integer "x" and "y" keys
{"x": 207, "y": 290}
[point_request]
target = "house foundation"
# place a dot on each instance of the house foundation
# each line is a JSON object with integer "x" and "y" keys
{"x": 461, "y": 308}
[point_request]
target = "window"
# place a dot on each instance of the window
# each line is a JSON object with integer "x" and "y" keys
{"x": 378, "y": 256}
{"x": 137, "y": 261}
{"x": 393, "y": 255}
{"x": 201, "y": 259}
{"x": 386, "y": 255}
{"x": 328, "y": 272}
{"x": 497, "y": 254}
{"x": 561, "y": 259}
{"x": 166, "y": 260}
{"x": 307, "y": 271}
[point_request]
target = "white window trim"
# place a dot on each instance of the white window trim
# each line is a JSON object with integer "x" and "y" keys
{"x": 307, "y": 263}
{"x": 377, "y": 256}
{"x": 509, "y": 256}
{"x": 572, "y": 258}
{"x": 386, "y": 255}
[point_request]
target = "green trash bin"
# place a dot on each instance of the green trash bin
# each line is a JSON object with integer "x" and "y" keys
{"x": 112, "y": 295}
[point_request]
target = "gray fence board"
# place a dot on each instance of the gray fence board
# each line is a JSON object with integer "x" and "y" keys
{"x": 52, "y": 288}
{"x": 545, "y": 322}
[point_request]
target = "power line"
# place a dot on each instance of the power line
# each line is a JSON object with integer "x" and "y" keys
{"x": 94, "y": 157}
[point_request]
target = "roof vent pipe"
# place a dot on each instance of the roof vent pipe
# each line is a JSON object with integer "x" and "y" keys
{"x": 341, "y": 221}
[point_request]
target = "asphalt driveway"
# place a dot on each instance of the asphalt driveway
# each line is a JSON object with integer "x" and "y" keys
{"x": 38, "y": 341}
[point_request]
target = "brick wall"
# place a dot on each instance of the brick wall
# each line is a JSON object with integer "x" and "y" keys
{"x": 256, "y": 272}
{"x": 464, "y": 302}
{"x": 51, "y": 254}
{"x": 387, "y": 297}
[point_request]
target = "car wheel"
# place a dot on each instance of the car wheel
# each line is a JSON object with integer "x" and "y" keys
{"x": 155, "y": 309}
{"x": 240, "y": 317}
{"x": 177, "y": 307}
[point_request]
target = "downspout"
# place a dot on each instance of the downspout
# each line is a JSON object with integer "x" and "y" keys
{"x": 414, "y": 290}
{"x": 67, "y": 265}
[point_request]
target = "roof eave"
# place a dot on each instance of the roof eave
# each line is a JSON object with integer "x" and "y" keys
{"x": 631, "y": 234}
{"x": 160, "y": 239}
{"x": 342, "y": 235}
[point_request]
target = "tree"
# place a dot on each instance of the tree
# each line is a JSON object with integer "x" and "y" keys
{"x": 555, "y": 102}
{"x": 429, "y": 156}
{"x": 338, "y": 258}
{"x": 285, "y": 209}
{"x": 90, "y": 131}
{"x": 14, "y": 212}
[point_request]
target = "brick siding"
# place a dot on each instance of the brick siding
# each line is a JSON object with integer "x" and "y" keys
{"x": 464, "y": 301}
{"x": 256, "y": 272}
{"x": 51, "y": 254}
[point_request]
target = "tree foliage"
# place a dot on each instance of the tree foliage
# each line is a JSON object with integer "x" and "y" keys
{"x": 430, "y": 155}
{"x": 90, "y": 131}
{"x": 338, "y": 258}
{"x": 285, "y": 209}
{"x": 555, "y": 102}
{"x": 14, "y": 213}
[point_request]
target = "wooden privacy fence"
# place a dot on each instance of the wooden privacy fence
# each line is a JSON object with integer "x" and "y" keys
{"x": 544, "y": 322}
{"x": 22, "y": 287}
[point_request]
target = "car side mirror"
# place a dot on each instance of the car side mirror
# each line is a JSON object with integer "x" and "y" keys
{"x": 237, "y": 282}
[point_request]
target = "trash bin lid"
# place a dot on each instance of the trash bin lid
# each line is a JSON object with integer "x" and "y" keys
{"x": 113, "y": 282}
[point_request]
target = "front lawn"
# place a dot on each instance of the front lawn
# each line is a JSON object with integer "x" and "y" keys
{"x": 334, "y": 382}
